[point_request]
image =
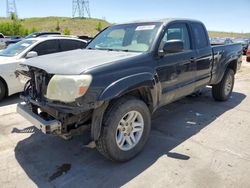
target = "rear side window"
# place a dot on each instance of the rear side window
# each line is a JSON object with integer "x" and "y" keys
{"x": 200, "y": 35}
{"x": 67, "y": 45}
{"x": 47, "y": 47}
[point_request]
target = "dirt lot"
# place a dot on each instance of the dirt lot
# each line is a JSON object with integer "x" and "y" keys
{"x": 195, "y": 142}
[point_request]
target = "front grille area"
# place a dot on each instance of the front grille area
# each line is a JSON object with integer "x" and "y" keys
{"x": 37, "y": 86}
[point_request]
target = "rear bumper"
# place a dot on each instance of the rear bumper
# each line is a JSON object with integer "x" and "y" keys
{"x": 47, "y": 127}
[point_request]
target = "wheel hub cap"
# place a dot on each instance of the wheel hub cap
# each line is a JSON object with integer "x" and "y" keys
{"x": 129, "y": 130}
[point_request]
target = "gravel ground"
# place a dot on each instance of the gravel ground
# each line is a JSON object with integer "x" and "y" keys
{"x": 195, "y": 142}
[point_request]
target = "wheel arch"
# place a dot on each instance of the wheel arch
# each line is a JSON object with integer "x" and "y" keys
{"x": 5, "y": 84}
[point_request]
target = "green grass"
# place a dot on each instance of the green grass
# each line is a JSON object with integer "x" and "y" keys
{"x": 82, "y": 26}
{"x": 77, "y": 26}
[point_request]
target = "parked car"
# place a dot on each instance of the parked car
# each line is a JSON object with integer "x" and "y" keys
{"x": 125, "y": 74}
{"x": 84, "y": 37}
{"x": 244, "y": 43}
{"x": 2, "y": 41}
{"x": 38, "y": 34}
{"x": 219, "y": 41}
{"x": 248, "y": 54}
{"x": 13, "y": 40}
{"x": 25, "y": 49}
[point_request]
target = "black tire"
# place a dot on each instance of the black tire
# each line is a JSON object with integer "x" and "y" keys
{"x": 248, "y": 59}
{"x": 2, "y": 90}
{"x": 218, "y": 90}
{"x": 106, "y": 144}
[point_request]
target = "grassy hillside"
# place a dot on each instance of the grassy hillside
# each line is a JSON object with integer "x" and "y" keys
{"x": 227, "y": 34}
{"x": 77, "y": 26}
{"x": 88, "y": 27}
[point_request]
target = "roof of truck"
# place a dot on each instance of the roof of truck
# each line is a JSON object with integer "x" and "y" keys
{"x": 163, "y": 20}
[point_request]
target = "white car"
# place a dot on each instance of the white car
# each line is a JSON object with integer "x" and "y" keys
{"x": 11, "y": 57}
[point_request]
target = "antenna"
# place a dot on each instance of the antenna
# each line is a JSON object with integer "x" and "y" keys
{"x": 80, "y": 8}
{"x": 11, "y": 7}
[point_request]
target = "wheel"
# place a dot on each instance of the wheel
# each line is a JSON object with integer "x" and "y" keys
{"x": 223, "y": 90}
{"x": 126, "y": 127}
{"x": 248, "y": 59}
{"x": 2, "y": 90}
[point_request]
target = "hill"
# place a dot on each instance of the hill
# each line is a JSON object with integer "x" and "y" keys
{"x": 85, "y": 26}
{"x": 77, "y": 26}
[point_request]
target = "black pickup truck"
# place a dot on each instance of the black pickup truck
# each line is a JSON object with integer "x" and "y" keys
{"x": 126, "y": 72}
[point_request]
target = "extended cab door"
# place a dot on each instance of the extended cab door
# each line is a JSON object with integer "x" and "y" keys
{"x": 176, "y": 70}
{"x": 204, "y": 55}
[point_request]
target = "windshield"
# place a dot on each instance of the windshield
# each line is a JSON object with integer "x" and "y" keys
{"x": 17, "y": 48}
{"x": 126, "y": 37}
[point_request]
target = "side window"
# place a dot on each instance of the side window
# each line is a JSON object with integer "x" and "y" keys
{"x": 177, "y": 32}
{"x": 67, "y": 45}
{"x": 200, "y": 35}
{"x": 46, "y": 47}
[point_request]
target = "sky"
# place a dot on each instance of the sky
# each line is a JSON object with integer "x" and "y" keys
{"x": 217, "y": 15}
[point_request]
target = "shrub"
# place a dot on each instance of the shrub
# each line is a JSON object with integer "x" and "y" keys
{"x": 66, "y": 31}
{"x": 99, "y": 26}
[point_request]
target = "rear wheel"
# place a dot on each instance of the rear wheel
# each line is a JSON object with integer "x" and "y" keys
{"x": 223, "y": 90}
{"x": 2, "y": 90}
{"x": 126, "y": 129}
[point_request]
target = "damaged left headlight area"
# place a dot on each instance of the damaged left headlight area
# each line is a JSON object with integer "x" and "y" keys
{"x": 46, "y": 100}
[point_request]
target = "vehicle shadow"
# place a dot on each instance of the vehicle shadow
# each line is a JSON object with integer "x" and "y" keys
{"x": 52, "y": 162}
{"x": 10, "y": 100}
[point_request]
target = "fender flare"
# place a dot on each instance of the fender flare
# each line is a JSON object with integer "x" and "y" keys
{"x": 222, "y": 69}
{"x": 126, "y": 84}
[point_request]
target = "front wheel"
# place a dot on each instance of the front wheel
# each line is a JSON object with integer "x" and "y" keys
{"x": 223, "y": 90}
{"x": 126, "y": 129}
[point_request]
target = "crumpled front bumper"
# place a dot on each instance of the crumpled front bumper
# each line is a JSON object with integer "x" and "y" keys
{"x": 47, "y": 127}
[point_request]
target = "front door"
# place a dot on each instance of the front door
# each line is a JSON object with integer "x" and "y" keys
{"x": 176, "y": 71}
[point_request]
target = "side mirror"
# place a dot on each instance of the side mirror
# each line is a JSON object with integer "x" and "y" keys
{"x": 31, "y": 54}
{"x": 173, "y": 46}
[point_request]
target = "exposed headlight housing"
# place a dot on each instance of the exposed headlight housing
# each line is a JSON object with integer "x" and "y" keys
{"x": 67, "y": 88}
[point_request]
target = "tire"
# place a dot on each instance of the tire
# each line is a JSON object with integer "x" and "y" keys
{"x": 223, "y": 90}
{"x": 111, "y": 134}
{"x": 2, "y": 90}
{"x": 248, "y": 59}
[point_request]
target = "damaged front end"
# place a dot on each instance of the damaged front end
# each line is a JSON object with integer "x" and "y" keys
{"x": 49, "y": 107}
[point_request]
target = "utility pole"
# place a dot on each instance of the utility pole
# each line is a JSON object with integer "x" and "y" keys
{"x": 80, "y": 8}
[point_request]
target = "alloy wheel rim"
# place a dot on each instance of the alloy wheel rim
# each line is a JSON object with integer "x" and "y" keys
{"x": 228, "y": 85}
{"x": 129, "y": 130}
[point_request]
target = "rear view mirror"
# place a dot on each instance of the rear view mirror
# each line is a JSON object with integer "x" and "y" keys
{"x": 173, "y": 46}
{"x": 31, "y": 54}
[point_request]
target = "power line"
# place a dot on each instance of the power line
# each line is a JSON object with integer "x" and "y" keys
{"x": 80, "y": 8}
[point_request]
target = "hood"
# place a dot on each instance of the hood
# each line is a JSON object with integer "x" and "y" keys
{"x": 77, "y": 61}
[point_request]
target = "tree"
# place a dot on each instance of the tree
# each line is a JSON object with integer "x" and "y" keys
{"x": 58, "y": 25}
